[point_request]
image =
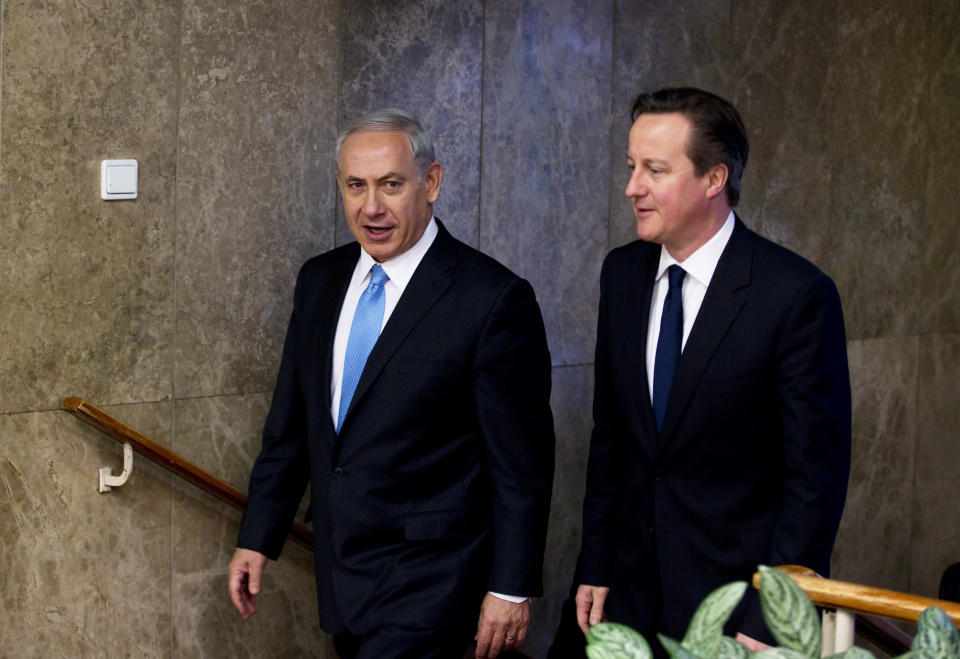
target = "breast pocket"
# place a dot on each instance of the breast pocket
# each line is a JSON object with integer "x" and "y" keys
{"x": 428, "y": 366}
{"x": 731, "y": 381}
{"x": 431, "y": 378}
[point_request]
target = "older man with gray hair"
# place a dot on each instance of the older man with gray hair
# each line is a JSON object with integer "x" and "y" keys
{"x": 413, "y": 396}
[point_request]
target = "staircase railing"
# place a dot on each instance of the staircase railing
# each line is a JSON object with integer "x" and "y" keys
{"x": 864, "y": 604}
{"x": 169, "y": 460}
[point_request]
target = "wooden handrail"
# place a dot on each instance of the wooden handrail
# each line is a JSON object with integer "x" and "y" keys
{"x": 835, "y": 594}
{"x": 172, "y": 462}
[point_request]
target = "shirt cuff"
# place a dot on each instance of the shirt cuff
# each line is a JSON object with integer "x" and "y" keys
{"x": 510, "y": 598}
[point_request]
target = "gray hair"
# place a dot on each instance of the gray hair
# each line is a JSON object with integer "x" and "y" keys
{"x": 388, "y": 119}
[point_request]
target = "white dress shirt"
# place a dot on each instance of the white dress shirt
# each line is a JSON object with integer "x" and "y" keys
{"x": 400, "y": 270}
{"x": 699, "y": 267}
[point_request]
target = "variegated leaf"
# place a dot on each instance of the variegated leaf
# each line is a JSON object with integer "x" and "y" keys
{"x": 732, "y": 649}
{"x": 854, "y": 653}
{"x": 788, "y": 613}
{"x": 936, "y": 632}
{"x": 706, "y": 627}
{"x": 779, "y": 653}
{"x": 676, "y": 650}
{"x": 623, "y": 641}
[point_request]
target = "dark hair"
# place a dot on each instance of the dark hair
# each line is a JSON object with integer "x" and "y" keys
{"x": 717, "y": 134}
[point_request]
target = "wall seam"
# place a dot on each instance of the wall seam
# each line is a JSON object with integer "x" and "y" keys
{"x": 2, "y": 76}
{"x": 173, "y": 356}
{"x": 610, "y": 120}
{"x": 911, "y": 585}
{"x": 338, "y": 119}
{"x": 483, "y": 74}
{"x": 925, "y": 332}
{"x": 101, "y": 405}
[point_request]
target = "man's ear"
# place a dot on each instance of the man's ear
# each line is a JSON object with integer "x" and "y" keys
{"x": 716, "y": 180}
{"x": 432, "y": 181}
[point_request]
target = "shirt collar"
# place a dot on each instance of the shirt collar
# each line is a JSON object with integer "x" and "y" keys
{"x": 701, "y": 264}
{"x": 400, "y": 268}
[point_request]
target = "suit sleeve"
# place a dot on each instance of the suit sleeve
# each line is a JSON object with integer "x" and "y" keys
{"x": 512, "y": 395}
{"x": 281, "y": 471}
{"x": 813, "y": 384}
{"x": 603, "y": 475}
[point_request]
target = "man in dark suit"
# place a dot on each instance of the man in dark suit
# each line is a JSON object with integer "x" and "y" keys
{"x": 722, "y": 399}
{"x": 413, "y": 396}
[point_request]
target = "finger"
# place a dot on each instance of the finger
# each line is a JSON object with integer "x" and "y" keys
{"x": 249, "y": 608}
{"x": 484, "y": 636}
{"x": 515, "y": 637}
{"x": 596, "y": 611}
{"x": 584, "y": 602}
{"x": 520, "y": 636}
{"x": 248, "y": 603}
{"x": 255, "y": 578}
{"x": 245, "y": 574}
{"x": 238, "y": 591}
{"x": 496, "y": 644}
{"x": 752, "y": 644}
{"x": 235, "y": 593}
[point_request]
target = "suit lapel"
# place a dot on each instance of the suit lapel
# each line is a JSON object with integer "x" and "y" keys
{"x": 639, "y": 288}
{"x": 432, "y": 277}
{"x": 325, "y": 316}
{"x": 721, "y": 305}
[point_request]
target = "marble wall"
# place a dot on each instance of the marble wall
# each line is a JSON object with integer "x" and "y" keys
{"x": 169, "y": 310}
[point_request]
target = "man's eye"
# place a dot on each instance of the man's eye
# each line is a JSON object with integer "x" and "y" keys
{"x": 355, "y": 185}
{"x": 392, "y": 185}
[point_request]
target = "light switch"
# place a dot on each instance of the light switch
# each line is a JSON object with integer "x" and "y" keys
{"x": 118, "y": 179}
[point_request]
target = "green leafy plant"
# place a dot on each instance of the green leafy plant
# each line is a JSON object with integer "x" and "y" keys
{"x": 790, "y": 617}
{"x": 788, "y": 612}
{"x": 705, "y": 630}
{"x": 611, "y": 640}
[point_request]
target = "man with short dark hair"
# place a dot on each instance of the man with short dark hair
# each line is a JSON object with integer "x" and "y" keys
{"x": 413, "y": 396}
{"x": 721, "y": 432}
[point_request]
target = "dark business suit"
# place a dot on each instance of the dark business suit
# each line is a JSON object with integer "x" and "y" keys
{"x": 752, "y": 462}
{"x": 437, "y": 488}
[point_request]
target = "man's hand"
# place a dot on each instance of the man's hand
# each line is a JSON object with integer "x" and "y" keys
{"x": 590, "y": 600}
{"x": 246, "y": 573}
{"x": 502, "y": 626}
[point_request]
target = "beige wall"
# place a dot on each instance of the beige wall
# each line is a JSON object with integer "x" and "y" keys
{"x": 170, "y": 310}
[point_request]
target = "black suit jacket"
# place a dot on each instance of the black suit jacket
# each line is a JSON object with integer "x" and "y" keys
{"x": 752, "y": 463}
{"x": 437, "y": 488}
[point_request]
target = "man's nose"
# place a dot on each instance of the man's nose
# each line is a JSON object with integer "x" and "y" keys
{"x": 371, "y": 204}
{"x": 636, "y": 185}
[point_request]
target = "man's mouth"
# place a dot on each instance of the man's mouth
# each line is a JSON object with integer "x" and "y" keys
{"x": 378, "y": 231}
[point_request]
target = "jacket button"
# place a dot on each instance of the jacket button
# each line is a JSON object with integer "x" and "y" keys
{"x": 338, "y": 473}
{"x": 659, "y": 476}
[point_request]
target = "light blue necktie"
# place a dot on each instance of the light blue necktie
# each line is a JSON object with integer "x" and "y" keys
{"x": 669, "y": 343}
{"x": 363, "y": 335}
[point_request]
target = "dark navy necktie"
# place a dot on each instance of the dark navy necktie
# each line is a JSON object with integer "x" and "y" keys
{"x": 669, "y": 343}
